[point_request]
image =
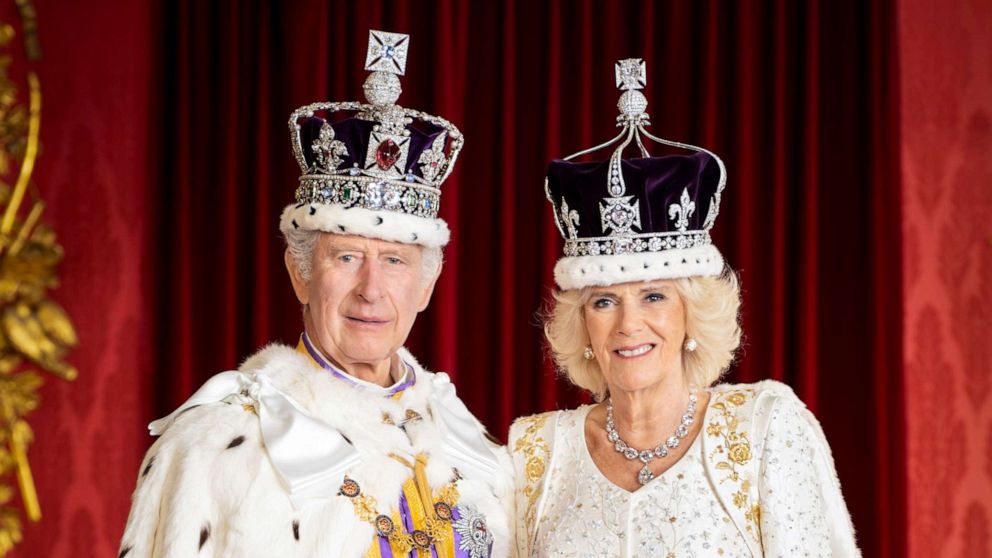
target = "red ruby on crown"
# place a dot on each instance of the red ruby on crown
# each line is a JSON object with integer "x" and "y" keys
{"x": 387, "y": 154}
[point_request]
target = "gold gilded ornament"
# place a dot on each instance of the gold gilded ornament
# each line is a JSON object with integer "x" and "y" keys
{"x": 35, "y": 332}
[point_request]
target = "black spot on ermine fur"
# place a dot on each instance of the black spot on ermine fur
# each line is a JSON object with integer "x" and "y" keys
{"x": 236, "y": 442}
{"x": 296, "y": 529}
{"x": 124, "y": 552}
{"x": 151, "y": 461}
{"x": 204, "y": 535}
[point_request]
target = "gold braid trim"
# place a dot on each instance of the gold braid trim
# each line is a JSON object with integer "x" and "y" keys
{"x": 535, "y": 452}
{"x": 734, "y": 453}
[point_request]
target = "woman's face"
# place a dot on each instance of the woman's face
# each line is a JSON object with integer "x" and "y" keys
{"x": 636, "y": 331}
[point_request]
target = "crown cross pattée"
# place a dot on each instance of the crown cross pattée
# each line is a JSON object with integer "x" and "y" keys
{"x": 631, "y": 73}
{"x": 619, "y": 214}
{"x": 387, "y": 52}
{"x": 389, "y": 143}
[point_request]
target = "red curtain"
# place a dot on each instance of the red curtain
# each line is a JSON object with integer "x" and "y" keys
{"x": 798, "y": 98}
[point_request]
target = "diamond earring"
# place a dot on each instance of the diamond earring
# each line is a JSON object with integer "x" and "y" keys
{"x": 691, "y": 344}
{"x": 588, "y": 354}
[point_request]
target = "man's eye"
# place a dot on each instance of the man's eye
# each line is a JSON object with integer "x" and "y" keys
{"x": 394, "y": 260}
{"x": 346, "y": 258}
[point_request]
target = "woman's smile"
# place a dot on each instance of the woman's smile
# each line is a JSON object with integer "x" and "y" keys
{"x": 634, "y": 351}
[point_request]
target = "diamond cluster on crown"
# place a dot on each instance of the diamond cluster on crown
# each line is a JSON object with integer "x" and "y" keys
{"x": 648, "y": 242}
{"x": 361, "y": 191}
{"x": 619, "y": 212}
{"x": 380, "y": 181}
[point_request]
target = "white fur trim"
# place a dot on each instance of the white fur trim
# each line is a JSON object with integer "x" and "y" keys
{"x": 208, "y": 477}
{"x": 382, "y": 224}
{"x": 585, "y": 271}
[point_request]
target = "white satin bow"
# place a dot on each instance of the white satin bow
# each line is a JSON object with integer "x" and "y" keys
{"x": 312, "y": 457}
{"x": 309, "y": 455}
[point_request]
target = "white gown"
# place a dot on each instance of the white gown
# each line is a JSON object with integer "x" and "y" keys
{"x": 758, "y": 480}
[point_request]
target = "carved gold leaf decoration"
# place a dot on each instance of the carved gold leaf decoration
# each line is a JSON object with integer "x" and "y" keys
{"x": 33, "y": 328}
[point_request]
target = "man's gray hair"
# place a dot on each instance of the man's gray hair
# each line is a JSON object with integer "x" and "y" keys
{"x": 301, "y": 242}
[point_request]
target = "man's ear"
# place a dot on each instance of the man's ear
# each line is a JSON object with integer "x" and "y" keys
{"x": 300, "y": 285}
{"x": 429, "y": 289}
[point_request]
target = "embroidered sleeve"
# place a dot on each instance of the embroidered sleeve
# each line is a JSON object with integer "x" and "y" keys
{"x": 175, "y": 509}
{"x": 732, "y": 457}
{"x": 531, "y": 453}
{"x": 802, "y": 509}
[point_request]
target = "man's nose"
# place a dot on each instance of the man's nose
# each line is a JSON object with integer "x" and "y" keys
{"x": 370, "y": 281}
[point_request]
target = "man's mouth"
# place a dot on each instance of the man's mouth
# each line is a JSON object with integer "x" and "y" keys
{"x": 368, "y": 320}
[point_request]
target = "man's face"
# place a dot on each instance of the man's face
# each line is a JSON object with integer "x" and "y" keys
{"x": 362, "y": 297}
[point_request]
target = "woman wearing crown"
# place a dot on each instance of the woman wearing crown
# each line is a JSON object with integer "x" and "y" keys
{"x": 646, "y": 319}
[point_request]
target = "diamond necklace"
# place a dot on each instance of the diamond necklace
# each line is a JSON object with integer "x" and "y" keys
{"x": 647, "y": 456}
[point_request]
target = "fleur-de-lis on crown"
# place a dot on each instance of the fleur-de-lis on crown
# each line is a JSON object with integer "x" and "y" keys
{"x": 328, "y": 151}
{"x": 680, "y": 212}
{"x": 712, "y": 213}
{"x": 570, "y": 218}
{"x": 432, "y": 160}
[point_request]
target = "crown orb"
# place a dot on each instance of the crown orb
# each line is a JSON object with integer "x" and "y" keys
{"x": 382, "y": 88}
{"x": 632, "y": 103}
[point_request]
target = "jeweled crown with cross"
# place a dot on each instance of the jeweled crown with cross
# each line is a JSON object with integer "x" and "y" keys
{"x": 636, "y": 219}
{"x": 373, "y": 169}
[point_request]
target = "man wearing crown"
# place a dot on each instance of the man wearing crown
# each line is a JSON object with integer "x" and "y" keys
{"x": 344, "y": 445}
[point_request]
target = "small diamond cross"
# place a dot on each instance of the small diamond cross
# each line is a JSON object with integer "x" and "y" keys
{"x": 387, "y": 52}
{"x": 631, "y": 73}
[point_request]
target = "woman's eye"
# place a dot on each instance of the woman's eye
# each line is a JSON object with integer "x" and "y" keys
{"x": 655, "y": 297}
{"x": 346, "y": 258}
{"x": 602, "y": 303}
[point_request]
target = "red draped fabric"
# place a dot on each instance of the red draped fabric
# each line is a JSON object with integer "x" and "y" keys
{"x": 799, "y": 99}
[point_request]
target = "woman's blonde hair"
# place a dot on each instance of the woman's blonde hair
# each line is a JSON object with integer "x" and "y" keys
{"x": 712, "y": 306}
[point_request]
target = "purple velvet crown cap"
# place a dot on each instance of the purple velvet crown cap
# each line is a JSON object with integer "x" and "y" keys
{"x": 640, "y": 219}
{"x": 355, "y": 134}
{"x": 657, "y": 182}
